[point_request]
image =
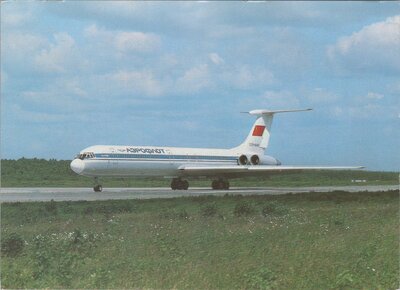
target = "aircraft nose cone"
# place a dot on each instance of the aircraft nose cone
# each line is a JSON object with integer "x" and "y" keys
{"x": 77, "y": 166}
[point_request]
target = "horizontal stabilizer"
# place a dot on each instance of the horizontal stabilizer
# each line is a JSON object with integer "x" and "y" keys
{"x": 270, "y": 112}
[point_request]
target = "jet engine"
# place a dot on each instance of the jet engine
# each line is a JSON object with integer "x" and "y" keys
{"x": 263, "y": 160}
{"x": 243, "y": 160}
{"x": 255, "y": 160}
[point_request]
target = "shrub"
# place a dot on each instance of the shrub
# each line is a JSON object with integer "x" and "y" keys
{"x": 126, "y": 208}
{"x": 174, "y": 214}
{"x": 66, "y": 208}
{"x": 183, "y": 214}
{"x": 77, "y": 237}
{"x": 103, "y": 209}
{"x": 106, "y": 211}
{"x": 273, "y": 208}
{"x": 51, "y": 207}
{"x": 243, "y": 209}
{"x": 209, "y": 210}
{"x": 12, "y": 245}
{"x": 88, "y": 210}
{"x": 338, "y": 222}
{"x": 262, "y": 278}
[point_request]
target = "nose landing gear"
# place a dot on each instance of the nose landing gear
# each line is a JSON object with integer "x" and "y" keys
{"x": 97, "y": 187}
{"x": 179, "y": 184}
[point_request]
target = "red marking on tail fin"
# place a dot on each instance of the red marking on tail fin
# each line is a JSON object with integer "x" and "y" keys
{"x": 258, "y": 130}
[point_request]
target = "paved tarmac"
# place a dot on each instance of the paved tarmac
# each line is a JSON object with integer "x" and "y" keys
{"x": 81, "y": 193}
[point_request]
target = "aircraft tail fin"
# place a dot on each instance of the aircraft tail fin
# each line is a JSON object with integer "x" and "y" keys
{"x": 258, "y": 138}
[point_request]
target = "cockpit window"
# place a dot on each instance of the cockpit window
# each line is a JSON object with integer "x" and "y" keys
{"x": 85, "y": 155}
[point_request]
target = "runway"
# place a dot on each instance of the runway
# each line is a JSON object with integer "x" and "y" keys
{"x": 74, "y": 194}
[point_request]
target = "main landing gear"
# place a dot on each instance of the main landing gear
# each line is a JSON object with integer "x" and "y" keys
{"x": 179, "y": 184}
{"x": 220, "y": 184}
{"x": 97, "y": 187}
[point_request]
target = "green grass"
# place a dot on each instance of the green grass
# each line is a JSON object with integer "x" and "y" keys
{"x": 305, "y": 241}
{"x": 57, "y": 173}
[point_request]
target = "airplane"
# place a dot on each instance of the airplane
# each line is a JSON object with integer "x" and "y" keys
{"x": 180, "y": 164}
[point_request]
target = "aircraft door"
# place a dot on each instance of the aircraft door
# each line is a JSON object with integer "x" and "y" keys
{"x": 169, "y": 156}
{"x": 112, "y": 161}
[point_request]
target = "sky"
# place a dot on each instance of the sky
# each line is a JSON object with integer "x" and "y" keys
{"x": 75, "y": 74}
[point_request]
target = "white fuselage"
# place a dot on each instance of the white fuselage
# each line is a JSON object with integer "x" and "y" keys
{"x": 150, "y": 161}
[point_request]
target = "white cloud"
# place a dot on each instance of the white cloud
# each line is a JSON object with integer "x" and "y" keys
{"x": 205, "y": 17}
{"x": 18, "y": 49}
{"x": 40, "y": 117}
{"x": 62, "y": 95}
{"x": 136, "y": 83}
{"x": 320, "y": 95}
{"x": 370, "y": 106}
{"x": 168, "y": 61}
{"x": 94, "y": 33}
{"x": 374, "y": 96}
{"x": 12, "y": 19}
{"x": 362, "y": 111}
{"x": 124, "y": 41}
{"x": 136, "y": 41}
{"x": 215, "y": 58}
{"x": 280, "y": 100}
{"x": 375, "y": 47}
{"x": 17, "y": 40}
{"x": 58, "y": 57}
{"x": 194, "y": 79}
{"x": 245, "y": 77}
{"x": 31, "y": 53}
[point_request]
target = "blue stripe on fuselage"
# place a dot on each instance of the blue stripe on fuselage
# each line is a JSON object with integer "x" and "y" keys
{"x": 164, "y": 157}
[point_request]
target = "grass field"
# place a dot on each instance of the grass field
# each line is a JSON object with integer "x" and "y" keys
{"x": 305, "y": 241}
{"x": 57, "y": 173}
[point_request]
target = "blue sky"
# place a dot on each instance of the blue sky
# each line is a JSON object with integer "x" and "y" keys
{"x": 75, "y": 74}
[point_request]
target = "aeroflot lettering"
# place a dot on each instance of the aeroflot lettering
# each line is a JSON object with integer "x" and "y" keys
{"x": 145, "y": 150}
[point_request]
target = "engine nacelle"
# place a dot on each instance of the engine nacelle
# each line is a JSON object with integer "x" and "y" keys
{"x": 263, "y": 160}
{"x": 255, "y": 160}
{"x": 243, "y": 160}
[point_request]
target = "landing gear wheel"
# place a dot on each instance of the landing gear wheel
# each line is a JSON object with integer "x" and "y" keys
{"x": 220, "y": 184}
{"x": 226, "y": 184}
{"x": 98, "y": 188}
{"x": 214, "y": 184}
{"x": 179, "y": 184}
{"x": 174, "y": 184}
{"x": 185, "y": 184}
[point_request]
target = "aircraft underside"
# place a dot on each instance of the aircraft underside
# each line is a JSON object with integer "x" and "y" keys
{"x": 181, "y": 182}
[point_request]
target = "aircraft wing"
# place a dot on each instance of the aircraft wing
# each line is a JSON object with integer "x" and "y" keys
{"x": 301, "y": 168}
{"x": 257, "y": 169}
